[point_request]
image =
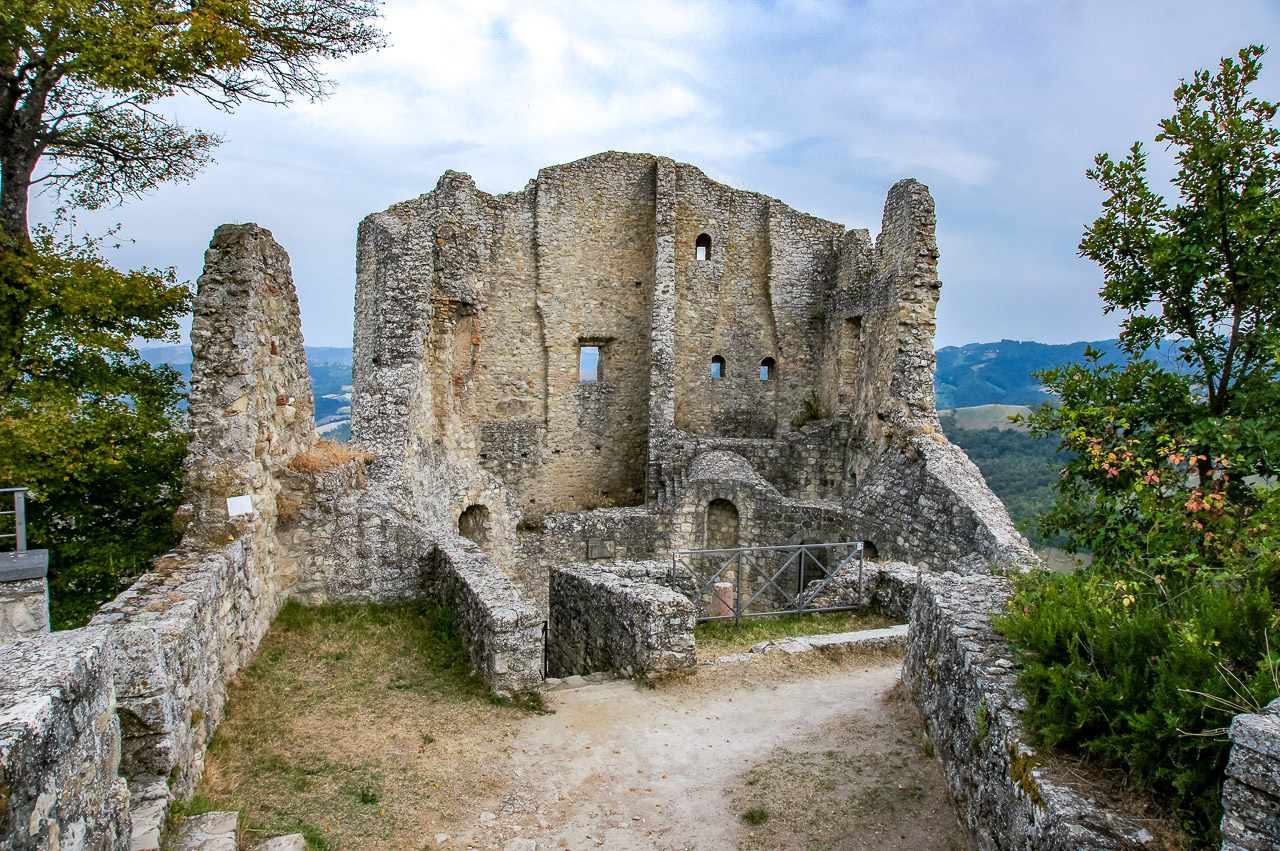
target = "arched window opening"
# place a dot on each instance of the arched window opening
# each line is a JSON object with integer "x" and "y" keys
{"x": 717, "y": 367}
{"x": 473, "y": 524}
{"x": 869, "y": 551}
{"x": 722, "y": 525}
{"x": 703, "y": 246}
{"x": 767, "y": 369}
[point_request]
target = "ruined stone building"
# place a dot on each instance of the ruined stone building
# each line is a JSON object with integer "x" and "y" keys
{"x": 627, "y": 332}
{"x": 554, "y": 391}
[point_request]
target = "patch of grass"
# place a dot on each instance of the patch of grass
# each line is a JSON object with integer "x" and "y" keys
{"x": 755, "y": 816}
{"x": 357, "y": 726}
{"x": 721, "y": 638}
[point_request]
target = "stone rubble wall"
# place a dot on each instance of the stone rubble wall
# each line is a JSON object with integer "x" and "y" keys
{"x": 502, "y": 629}
{"x": 184, "y": 631}
{"x": 925, "y": 502}
{"x": 24, "y": 609}
{"x": 600, "y": 621}
{"x": 1251, "y": 794}
{"x": 961, "y": 675}
{"x": 60, "y": 745}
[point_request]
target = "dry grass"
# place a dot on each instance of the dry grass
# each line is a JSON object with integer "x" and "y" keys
{"x": 721, "y": 638}
{"x": 326, "y": 455}
{"x": 357, "y": 726}
{"x": 858, "y": 784}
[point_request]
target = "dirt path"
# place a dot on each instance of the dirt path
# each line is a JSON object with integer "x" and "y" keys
{"x": 819, "y": 754}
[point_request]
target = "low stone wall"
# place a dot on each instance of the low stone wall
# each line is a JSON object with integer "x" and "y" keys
{"x": 961, "y": 676}
{"x": 60, "y": 745}
{"x": 24, "y": 609}
{"x": 184, "y": 630}
{"x": 502, "y": 629}
{"x": 1251, "y": 794}
{"x": 600, "y": 621}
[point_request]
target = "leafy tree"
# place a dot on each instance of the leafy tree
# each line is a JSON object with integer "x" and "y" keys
{"x": 84, "y": 422}
{"x": 1140, "y": 659}
{"x": 1199, "y": 278}
{"x": 81, "y": 80}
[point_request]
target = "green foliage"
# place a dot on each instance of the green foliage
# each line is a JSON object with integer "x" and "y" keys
{"x": 755, "y": 816}
{"x": 89, "y": 426}
{"x": 1139, "y": 660}
{"x": 1116, "y": 665}
{"x": 82, "y": 79}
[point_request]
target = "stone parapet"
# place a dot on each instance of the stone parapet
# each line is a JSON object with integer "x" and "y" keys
{"x": 961, "y": 675}
{"x": 60, "y": 745}
{"x": 600, "y": 621}
{"x": 503, "y": 631}
{"x": 184, "y": 630}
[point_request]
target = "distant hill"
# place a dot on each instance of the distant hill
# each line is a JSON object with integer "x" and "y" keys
{"x": 999, "y": 373}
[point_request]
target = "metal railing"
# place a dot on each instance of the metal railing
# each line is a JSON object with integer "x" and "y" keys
{"x": 19, "y": 515}
{"x": 758, "y": 580}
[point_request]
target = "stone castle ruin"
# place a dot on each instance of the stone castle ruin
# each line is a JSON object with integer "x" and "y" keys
{"x": 554, "y": 391}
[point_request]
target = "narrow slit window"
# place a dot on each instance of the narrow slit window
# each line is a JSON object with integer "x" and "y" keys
{"x": 703, "y": 247}
{"x": 717, "y": 367}
{"x": 766, "y": 369}
{"x": 589, "y": 364}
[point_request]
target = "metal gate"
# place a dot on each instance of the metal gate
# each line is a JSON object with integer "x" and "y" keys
{"x": 746, "y": 582}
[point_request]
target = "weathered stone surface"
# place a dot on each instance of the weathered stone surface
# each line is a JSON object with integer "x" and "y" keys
{"x": 24, "y": 609}
{"x": 1251, "y": 794}
{"x": 208, "y": 832}
{"x": 892, "y": 636}
{"x": 602, "y": 622}
{"x": 291, "y": 842}
{"x": 60, "y": 745}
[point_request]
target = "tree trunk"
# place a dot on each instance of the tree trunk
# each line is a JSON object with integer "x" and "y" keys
{"x": 15, "y": 188}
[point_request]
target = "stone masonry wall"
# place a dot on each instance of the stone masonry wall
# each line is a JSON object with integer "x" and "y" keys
{"x": 60, "y": 745}
{"x": 1251, "y": 794}
{"x": 184, "y": 630}
{"x": 926, "y": 502}
{"x": 600, "y": 621}
{"x": 24, "y": 609}
{"x": 502, "y": 629}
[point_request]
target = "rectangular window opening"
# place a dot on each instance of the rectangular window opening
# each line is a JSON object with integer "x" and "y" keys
{"x": 589, "y": 363}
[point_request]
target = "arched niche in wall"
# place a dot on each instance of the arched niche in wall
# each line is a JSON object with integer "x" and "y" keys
{"x": 722, "y": 525}
{"x": 768, "y": 370}
{"x": 473, "y": 524}
{"x": 717, "y": 367}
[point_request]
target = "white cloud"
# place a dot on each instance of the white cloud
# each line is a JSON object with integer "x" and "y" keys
{"x": 999, "y": 107}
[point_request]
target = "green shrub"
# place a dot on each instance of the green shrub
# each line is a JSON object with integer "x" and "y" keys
{"x": 1144, "y": 674}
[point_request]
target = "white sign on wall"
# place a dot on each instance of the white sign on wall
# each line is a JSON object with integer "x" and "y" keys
{"x": 237, "y": 505}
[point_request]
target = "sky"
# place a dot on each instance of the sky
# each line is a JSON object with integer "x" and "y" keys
{"x": 999, "y": 107}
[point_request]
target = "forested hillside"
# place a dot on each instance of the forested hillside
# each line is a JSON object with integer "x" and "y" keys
{"x": 986, "y": 373}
